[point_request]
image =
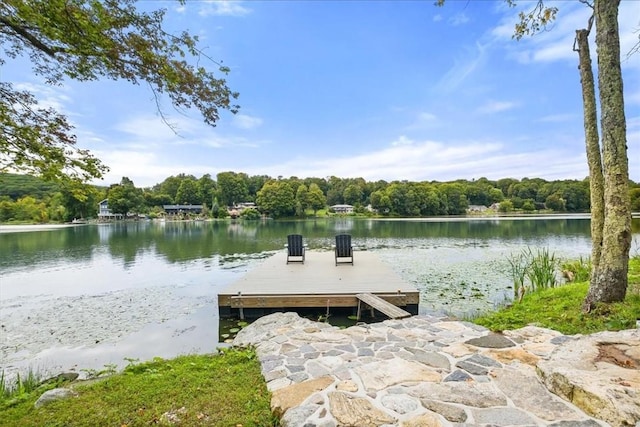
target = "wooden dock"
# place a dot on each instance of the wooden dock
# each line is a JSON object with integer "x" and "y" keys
{"x": 319, "y": 284}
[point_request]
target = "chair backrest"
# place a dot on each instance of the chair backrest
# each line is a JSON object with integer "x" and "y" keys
{"x": 343, "y": 245}
{"x": 295, "y": 245}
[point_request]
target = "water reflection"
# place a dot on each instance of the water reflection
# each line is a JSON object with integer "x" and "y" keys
{"x": 179, "y": 242}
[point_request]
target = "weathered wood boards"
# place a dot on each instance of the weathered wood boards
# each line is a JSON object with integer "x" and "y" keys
{"x": 275, "y": 285}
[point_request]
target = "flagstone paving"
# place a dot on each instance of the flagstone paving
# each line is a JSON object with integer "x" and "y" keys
{"x": 431, "y": 371}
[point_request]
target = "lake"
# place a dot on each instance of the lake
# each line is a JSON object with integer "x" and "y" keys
{"x": 85, "y": 296}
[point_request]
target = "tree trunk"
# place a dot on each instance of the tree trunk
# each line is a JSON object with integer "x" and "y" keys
{"x": 592, "y": 141}
{"x": 610, "y": 281}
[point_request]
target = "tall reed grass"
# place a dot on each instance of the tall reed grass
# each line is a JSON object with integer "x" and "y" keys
{"x": 21, "y": 384}
{"x": 533, "y": 270}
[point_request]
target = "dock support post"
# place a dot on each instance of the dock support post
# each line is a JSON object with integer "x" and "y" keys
{"x": 241, "y": 309}
{"x": 358, "y": 312}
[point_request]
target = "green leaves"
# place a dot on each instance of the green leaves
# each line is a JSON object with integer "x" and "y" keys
{"x": 39, "y": 141}
{"x": 88, "y": 40}
{"x": 277, "y": 199}
{"x": 534, "y": 21}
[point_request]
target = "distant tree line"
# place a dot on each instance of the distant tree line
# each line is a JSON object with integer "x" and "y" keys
{"x": 26, "y": 198}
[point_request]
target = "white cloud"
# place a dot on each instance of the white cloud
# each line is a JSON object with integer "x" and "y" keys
{"x": 462, "y": 69}
{"x": 561, "y": 49}
{"x": 423, "y": 120}
{"x": 144, "y": 168}
{"x": 426, "y": 117}
{"x": 437, "y": 18}
{"x": 431, "y": 160}
{"x": 244, "y": 121}
{"x": 402, "y": 140}
{"x": 458, "y": 19}
{"x": 492, "y": 107}
{"x": 149, "y": 130}
{"x": 223, "y": 8}
{"x": 47, "y": 96}
{"x": 147, "y": 151}
{"x": 557, "y": 118}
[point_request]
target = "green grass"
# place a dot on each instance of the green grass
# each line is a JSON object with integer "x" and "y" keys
{"x": 226, "y": 389}
{"x": 22, "y": 385}
{"x": 560, "y": 309}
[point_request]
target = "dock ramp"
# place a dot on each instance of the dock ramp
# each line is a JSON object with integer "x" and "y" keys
{"x": 374, "y": 301}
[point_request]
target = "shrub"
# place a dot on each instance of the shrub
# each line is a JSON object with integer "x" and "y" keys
{"x": 577, "y": 270}
{"x": 250, "y": 214}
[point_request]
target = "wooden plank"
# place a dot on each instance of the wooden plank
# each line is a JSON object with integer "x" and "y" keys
{"x": 274, "y": 301}
{"x": 307, "y": 300}
{"x": 383, "y": 306}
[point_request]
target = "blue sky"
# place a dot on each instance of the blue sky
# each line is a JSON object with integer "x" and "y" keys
{"x": 393, "y": 90}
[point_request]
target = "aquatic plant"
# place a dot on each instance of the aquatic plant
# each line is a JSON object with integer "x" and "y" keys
{"x": 518, "y": 264}
{"x": 542, "y": 269}
{"x": 533, "y": 270}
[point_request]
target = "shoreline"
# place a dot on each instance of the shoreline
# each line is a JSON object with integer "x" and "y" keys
{"x": 33, "y": 227}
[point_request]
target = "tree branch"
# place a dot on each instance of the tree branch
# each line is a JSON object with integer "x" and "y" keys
{"x": 588, "y": 29}
{"x": 636, "y": 48}
{"x": 51, "y": 51}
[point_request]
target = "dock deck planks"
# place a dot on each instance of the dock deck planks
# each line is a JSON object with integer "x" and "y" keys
{"x": 317, "y": 283}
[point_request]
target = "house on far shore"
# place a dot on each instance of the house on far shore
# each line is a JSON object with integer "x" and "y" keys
{"x": 237, "y": 208}
{"x": 342, "y": 209}
{"x": 476, "y": 208}
{"x": 173, "y": 210}
{"x": 104, "y": 213}
{"x": 245, "y": 205}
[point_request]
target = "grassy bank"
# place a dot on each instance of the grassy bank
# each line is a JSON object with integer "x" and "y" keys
{"x": 560, "y": 309}
{"x": 227, "y": 389}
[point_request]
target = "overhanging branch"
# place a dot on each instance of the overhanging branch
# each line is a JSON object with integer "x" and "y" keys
{"x": 35, "y": 42}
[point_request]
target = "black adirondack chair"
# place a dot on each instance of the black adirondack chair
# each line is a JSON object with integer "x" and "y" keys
{"x": 295, "y": 248}
{"x": 344, "y": 249}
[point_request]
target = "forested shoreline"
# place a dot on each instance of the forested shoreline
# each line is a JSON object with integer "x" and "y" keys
{"x": 25, "y": 198}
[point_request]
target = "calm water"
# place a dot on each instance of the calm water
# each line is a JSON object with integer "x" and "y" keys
{"x": 94, "y": 259}
{"x": 149, "y": 289}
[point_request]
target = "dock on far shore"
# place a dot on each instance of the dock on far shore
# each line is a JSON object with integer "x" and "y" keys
{"x": 319, "y": 284}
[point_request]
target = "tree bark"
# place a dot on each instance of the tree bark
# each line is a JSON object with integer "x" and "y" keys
{"x": 592, "y": 141}
{"x": 610, "y": 281}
